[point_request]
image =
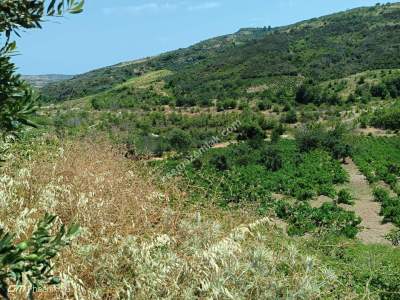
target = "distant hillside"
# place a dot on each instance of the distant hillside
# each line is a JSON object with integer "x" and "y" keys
{"x": 269, "y": 60}
{"x": 40, "y": 81}
{"x": 103, "y": 79}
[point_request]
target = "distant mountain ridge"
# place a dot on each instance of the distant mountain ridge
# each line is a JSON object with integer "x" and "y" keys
{"x": 320, "y": 49}
{"x": 40, "y": 81}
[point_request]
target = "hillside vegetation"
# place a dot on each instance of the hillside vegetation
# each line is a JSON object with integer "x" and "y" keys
{"x": 321, "y": 49}
{"x": 264, "y": 164}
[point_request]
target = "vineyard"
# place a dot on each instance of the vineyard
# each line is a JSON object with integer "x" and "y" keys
{"x": 240, "y": 174}
{"x": 379, "y": 159}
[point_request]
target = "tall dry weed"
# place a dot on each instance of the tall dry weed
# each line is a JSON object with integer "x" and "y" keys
{"x": 144, "y": 241}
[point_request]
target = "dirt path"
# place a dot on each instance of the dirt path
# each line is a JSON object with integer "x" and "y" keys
{"x": 365, "y": 207}
{"x": 374, "y": 131}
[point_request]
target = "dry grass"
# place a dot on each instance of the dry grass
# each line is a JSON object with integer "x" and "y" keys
{"x": 140, "y": 241}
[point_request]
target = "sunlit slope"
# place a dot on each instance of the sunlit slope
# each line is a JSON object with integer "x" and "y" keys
{"x": 326, "y": 48}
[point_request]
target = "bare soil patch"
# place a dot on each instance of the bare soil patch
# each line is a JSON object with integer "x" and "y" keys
{"x": 374, "y": 230}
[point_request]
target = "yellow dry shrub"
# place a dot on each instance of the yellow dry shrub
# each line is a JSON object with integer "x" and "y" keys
{"x": 144, "y": 241}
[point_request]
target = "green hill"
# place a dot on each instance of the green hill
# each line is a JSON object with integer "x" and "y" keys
{"x": 261, "y": 62}
{"x": 103, "y": 79}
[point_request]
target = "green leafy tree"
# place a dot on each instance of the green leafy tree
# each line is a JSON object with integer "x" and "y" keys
{"x": 179, "y": 139}
{"x": 314, "y": 136}
{"x": 17, "y": 100}
{"x": 31, "y": 259}
{"x": 252, "y": 133}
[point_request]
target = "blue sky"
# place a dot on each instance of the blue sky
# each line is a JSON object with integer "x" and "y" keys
{"x": 109, "y": 32}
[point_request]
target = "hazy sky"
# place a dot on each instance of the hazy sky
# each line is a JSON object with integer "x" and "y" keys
{"x": 113, "y": 31}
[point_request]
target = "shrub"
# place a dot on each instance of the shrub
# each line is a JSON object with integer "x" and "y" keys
{"x": 96, "y": 103}
{"x": 394, "y": 237}
{"x": 264, "y": 105}
{"x": 341, "y": 151}
{"x": 277, "y": 132}
{"x": 197, "y": 164}
{"x": 290, "y": 117}
{"x": 31, "y": 259}
{"x": 244, "y": 155}
{"x": 268, "y": 124}
{"x": 379, "y": 90}
{"x": 226, "y": 104}
{"x": 314, "y": 136}
{"x": 304, "y": 194}
{"x": 179, "y": 139}
{"x": 271, "y": 158}
{"x": 310, "y": 137}
{"x": 252, "y": 133}
{"x": 387, "y": 118}
{"x": 220, "y": 162}
{"x": 345, "y": 197}
{"x": 305, "y": 94}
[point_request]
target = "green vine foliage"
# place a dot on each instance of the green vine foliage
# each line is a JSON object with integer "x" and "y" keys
{"x": 31, "y": 259}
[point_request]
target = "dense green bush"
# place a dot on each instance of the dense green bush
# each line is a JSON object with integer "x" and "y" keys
{"x": 271, "y": 158}
{"x": 307, "y": 93}
{"x": 226, "y": 104}
{"x": 345, "y": 197}
{"x": 264, "y": 105}
{"x": 290, "y": 117}
{"x": 244, "y": 154}
{"x": 277, "y": 132}
{"x": 251, "y": 132}
{"x": 220, "y": 162}
{"x": 179, "y": 139}
{"x": 390, "y": 206}
{"x": 394, "y": 237}
{"x": 379, "y": 90}
{"x": 315, "y": 136}
{"x": 303, "y": 218}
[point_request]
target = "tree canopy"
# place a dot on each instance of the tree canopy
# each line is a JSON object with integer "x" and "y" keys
{"x": 17, "y": 100}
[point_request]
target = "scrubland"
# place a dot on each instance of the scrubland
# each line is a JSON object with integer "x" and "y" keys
{"x": 143, "y": 240}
